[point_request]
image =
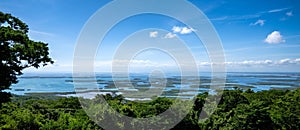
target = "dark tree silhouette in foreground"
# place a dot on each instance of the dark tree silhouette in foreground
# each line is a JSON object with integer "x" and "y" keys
{"x": 17, "y": 51}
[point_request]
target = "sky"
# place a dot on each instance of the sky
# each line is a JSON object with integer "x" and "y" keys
{"x": 256, "y": 35}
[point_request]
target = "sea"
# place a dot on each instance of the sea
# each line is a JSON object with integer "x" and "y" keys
{"x": 62, "y": 84}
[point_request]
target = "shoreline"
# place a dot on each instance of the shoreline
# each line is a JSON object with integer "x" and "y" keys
{"x": 93, "y": 93}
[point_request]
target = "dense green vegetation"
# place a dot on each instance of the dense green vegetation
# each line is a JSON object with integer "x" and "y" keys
{"x": 274, "y": 109}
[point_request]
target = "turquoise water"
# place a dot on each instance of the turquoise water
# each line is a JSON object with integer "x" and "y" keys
{"x": 62, "y": 82}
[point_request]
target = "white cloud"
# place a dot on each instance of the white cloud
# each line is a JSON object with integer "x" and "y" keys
{"x": 219, "y": 18}
{"x": 182, "y": 30}
{"x": 289, "y": 61}
{"x": 274, "y": 38}
{"x": 170, "y": 35}
{"x": 256, "y": 62}
{"x": 259, "y": 22}
{"x": 236, "y": 18}
{"x": 204, "y": 63}
{"x": 148, "y": 63}
{"x": 186, "y": 30}
{"x": 176, "y": 29}
{"x": 153, "y": 34}
{"x": 135, "y": 63}
{"x": 277, "y": 10}
{"x": 40, "y": 33}
{"x": 289, "y": 13}
{"x": 284, "y": 61}
{"x": 266, "y": 62}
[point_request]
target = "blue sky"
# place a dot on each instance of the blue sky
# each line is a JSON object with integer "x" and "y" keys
{"x": 256, "y": 35}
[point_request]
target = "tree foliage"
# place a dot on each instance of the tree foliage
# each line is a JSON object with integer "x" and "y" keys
{"x": 17, "y": 51}
{"x": 238, "y": 110}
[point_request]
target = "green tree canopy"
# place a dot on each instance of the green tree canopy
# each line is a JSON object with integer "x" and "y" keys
{"x": 17, "y": 51}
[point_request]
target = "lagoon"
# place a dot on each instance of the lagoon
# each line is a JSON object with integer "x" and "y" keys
{"x": 62, "y": 84}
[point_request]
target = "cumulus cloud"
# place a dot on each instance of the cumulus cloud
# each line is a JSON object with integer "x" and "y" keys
{"x": 289, "y": 13}
{"x": 170, "y": 35}
{"x": 153, "y": 34}
{"x": 186, "y": 30}
{"x": 259, "y": 22}
{"x": 274, "y": 38}
{"x": 182, "y": 30}
{"x": 176, "y": 29}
